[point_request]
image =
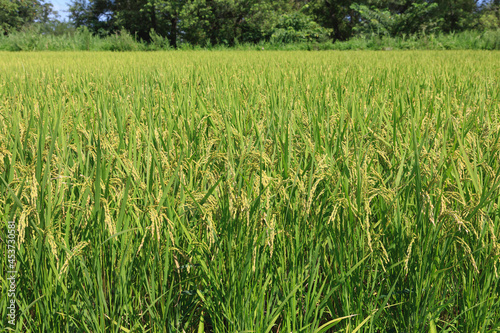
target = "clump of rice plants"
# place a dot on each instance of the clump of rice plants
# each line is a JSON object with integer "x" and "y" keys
{"x": 252, "y": 191}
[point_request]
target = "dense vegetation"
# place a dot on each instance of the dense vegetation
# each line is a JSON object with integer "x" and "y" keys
{"x": 230, "y": 23}
{"x": 256, "y": 191}
{"x": 84, "y": 40}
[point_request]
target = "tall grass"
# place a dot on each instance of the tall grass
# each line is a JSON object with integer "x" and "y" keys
{"x": 259, "y": 191}
{"x": 467, "y": 40}
{"x": 33, "y": 39}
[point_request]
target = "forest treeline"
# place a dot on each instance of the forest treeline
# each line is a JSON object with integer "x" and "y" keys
{"x": 208, "y": 23}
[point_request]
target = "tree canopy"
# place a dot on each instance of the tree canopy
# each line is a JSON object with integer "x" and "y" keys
{"x": 15, "y": 14}
{"x": 215, "y": 22}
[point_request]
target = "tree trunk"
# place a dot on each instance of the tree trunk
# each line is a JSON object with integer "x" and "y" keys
{"x": 173, "y": 31}
{"x": 153, "y": 17}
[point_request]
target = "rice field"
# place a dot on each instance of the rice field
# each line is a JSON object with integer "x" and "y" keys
{"x": 237, "y": 191}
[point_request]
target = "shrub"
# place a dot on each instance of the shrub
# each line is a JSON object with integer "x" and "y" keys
{"x": 298, "y": 28}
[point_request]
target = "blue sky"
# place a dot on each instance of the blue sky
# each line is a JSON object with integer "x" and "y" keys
{"x": 61, "y": 7}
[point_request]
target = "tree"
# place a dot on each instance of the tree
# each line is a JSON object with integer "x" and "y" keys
{"x": 134, "y": 16}
{"x": 97, "y": 15}
{"x": 212, "y": 22}
{"x": 298, "y": 27}
{"x": 457, "y": 15}
{"x": 417, "y": 18}
{"x": 161, "y": 18}
{"x": 15, "y": 14}
{"x": 8, "y": 15}
{"x": 335, "y": 15}
{"x": 227, "y": 21}
{"x": 490, "y": 15}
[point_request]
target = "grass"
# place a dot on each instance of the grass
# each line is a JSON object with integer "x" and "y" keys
{"x": 33, "y": 39}
{"x": 252, "y": 191}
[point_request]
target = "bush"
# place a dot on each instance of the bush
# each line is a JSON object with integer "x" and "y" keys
{"x": 84, "y": 38}
{"x": 298, "y": 28}
{"x": 25, "y": 40}
{"x": 123, "y": 41}
{"x": 158, "y": 42}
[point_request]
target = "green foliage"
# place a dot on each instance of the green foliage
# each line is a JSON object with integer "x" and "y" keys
{"x": 31, "y": 39}
{"x": 490, "y": 16}
{"x": 158, "y": 42}
{"x": 226, "y": 23}
{"x": 27, "y": 40}
{"x": 8, "y": 16}
{"x": 198, "y": 19}
{"x": 135, "y": 15}
{"x": 418, "y": 18}
{"x": 298, "y": 28}
{"x": 334, "y": 15}
{"x": 83, "y": 39}
{"x": 16, "y": 14}
{"x": 97, "y": 15}
{"x": 468, "y": 40}
{"x": 123, "y": 41}
{"x": 457, "y": 15}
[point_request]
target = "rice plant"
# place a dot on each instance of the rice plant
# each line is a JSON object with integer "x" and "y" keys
{"x": 252, "y": 191}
